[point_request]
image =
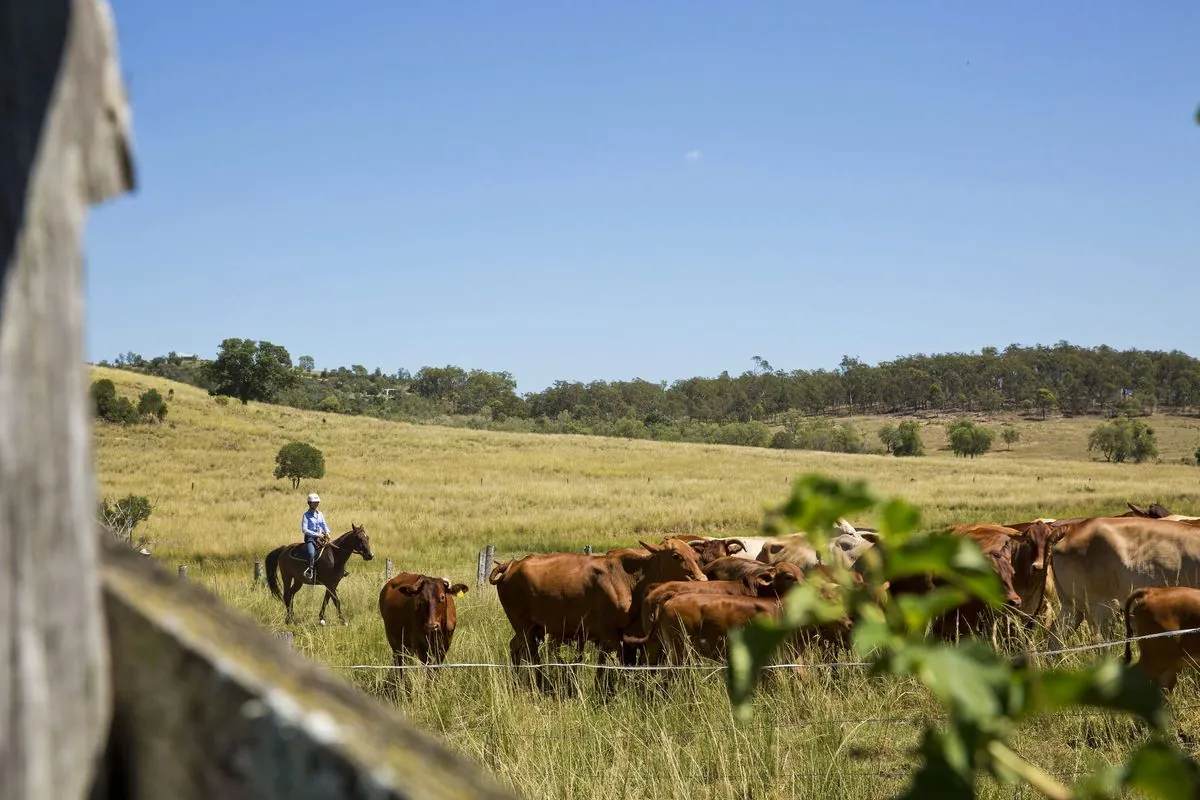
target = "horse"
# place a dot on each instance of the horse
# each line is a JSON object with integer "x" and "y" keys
{"x": 328, "y": 569}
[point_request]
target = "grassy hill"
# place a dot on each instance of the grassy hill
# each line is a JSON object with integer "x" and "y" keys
{"x": 217, "y": 508}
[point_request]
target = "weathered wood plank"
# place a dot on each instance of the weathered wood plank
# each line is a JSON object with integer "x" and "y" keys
{"x": 63, "y": 146}
{"x": 209, "y": 705}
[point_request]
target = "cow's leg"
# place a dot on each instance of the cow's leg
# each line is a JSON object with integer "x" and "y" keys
{"x": 1068, "y": 619}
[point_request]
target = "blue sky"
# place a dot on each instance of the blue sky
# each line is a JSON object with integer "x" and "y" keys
{"x": 656, "y": 190}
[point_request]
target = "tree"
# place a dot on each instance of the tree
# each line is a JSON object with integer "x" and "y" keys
{"x": 1123, "y": 439}
{"x": 123, "y": 516}
{"x": 298, "y": 460}
{"x": 151, "y": 403}
{"x": 110, "y": 407}
{"x": 1046, "y": 401}
{"x": 1010, "y": 435}
{"x": 1197, "y": 456}
{"x": 250, "y": 371}
{"x": 306, "y": 363}
{"x": 908, "y": 439}
{"x": 968, "y": 439}
{"x": 890, "y": 436}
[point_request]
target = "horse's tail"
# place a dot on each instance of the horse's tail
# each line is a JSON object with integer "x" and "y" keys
{"x": 271, "y": 563}
{"x": 498, "y": 572}
{"x": 1135, "y": 598}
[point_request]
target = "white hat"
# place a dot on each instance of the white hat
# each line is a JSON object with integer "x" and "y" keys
{"x": 314, "y": 498}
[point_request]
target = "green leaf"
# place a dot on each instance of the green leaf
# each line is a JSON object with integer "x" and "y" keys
{"x": 1156, "y": 769}
{"x": 1109, "y": 684}
{"x": 750, "y": 649}
{"x": 899, "y": 518}
{"x": 918, "y": 610}
{"x": 953, "y": 558}
{"x": 1162, "y": 771}
{"x": 970, "y": 679}
{"x": 937, "y": 776}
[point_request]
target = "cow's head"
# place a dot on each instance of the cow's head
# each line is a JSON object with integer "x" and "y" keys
{"x": 709, "y": 550}
{"x": 671, "y": 561}
{"x": 1001, "y": 560}
{"x": 432, "y": 596}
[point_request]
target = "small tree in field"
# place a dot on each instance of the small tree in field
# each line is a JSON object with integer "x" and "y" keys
{"x": 968, "y": 439}
{"x": 298, "y": 460}
{"x": 1010, "y": 435}
{"x": 124, "y": 515}
{"x": 1124, "y": 439}
{"x": 151, "y": 403}
{"x": 904, "y": 439}
{"x": 1198, "y": 456}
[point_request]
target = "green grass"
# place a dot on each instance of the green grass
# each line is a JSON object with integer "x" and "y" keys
{"x": 817, "y": 732}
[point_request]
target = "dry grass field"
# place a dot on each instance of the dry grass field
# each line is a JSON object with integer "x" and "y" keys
{"x": 820, "y": 732}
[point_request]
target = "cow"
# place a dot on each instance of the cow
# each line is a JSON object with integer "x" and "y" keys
{"x": 707, "y": 550}
{"x": 797, "y": 548}
{"x": 1100, "y": 561}
{"x": 969, "y": 618}
{"x": 419, "y": 616}
{"x": 701, "y": 621}
{"x": 1030, "y": 559}
{"x": 1158, "y": 609}
{"x": 576, "y": 598}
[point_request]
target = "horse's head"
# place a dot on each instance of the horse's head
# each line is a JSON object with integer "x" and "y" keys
{"x": 359, "y": 541}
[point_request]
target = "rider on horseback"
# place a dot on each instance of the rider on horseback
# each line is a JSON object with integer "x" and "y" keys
{"x": 313, "y": 526}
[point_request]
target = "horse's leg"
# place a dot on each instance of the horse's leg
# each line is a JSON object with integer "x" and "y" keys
{"x": 337, "y": 603}
{"x": 289, "y": 594}
{"x": 324, "y": 603}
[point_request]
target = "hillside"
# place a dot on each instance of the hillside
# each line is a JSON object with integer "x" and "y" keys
{"x": 208, "y": 472}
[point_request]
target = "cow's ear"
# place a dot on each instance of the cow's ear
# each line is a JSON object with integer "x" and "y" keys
{"x": 459, "y": 589}
{"x": 735, "y": 546}
{"x": 653, "y": 548}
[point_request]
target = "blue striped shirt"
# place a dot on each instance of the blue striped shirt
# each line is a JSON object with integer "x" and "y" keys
{"x": 313, "y": 524}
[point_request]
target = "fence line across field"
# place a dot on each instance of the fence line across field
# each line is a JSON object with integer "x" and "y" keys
{"x": 721, "y": 668}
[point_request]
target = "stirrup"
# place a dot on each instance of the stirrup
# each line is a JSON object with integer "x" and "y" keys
{"x": 308, "y": 573}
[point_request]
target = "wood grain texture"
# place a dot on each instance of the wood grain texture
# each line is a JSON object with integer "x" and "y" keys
{"x": 63, "y": 147}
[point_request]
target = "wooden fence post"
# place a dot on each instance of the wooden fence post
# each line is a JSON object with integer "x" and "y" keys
{"x": 387, "y": 570}
{"x": 183, "y": 570}
{"x": 258, "y": 573}
{"x": 481, "y": 573}
{"x": 587, "y": 549}
{"x": 489, "y": 560}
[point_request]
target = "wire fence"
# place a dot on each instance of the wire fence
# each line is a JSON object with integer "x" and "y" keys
{"x": 715, "y": 669}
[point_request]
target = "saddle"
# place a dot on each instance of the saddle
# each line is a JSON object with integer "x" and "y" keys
{"x": 300, "y": 552}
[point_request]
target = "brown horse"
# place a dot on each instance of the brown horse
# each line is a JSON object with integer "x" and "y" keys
{"x": 329, "y": 568}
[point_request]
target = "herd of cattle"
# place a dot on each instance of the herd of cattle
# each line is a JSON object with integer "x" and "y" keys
{"x": 656, "y": 603}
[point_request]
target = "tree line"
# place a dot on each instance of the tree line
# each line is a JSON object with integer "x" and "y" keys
{"x": 762, "y": 406}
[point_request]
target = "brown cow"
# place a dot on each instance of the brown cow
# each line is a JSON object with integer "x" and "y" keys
{"x": 1099, "y": 562}
{"x": 707, "y": 550}
{"x": 1030, "y": 559}
{"x": 702, "y": 621}
{"x": 570, "y": 597}
{"x": 971, "y": 617}
{"x": 1158, "y": 609}
{"x": 419, "y": 616}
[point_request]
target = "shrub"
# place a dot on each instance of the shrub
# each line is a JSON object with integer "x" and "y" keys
{"x": 904, "y": 439}
{"x": 1123, "y": 439}
{"x": 151, "y": 403}
{"x": 330, "y": 403}
{"x": 968, "y": 439}
{"x": 222, "y": 400}
{"x": 1198, "y": 456}
{"x": 297, "y": 460}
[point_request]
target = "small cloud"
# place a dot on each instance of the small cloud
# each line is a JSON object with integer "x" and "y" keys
{"x": 693, "y": 155}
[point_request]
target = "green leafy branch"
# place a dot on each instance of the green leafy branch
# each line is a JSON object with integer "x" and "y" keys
{"x": 985, "y": 695}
